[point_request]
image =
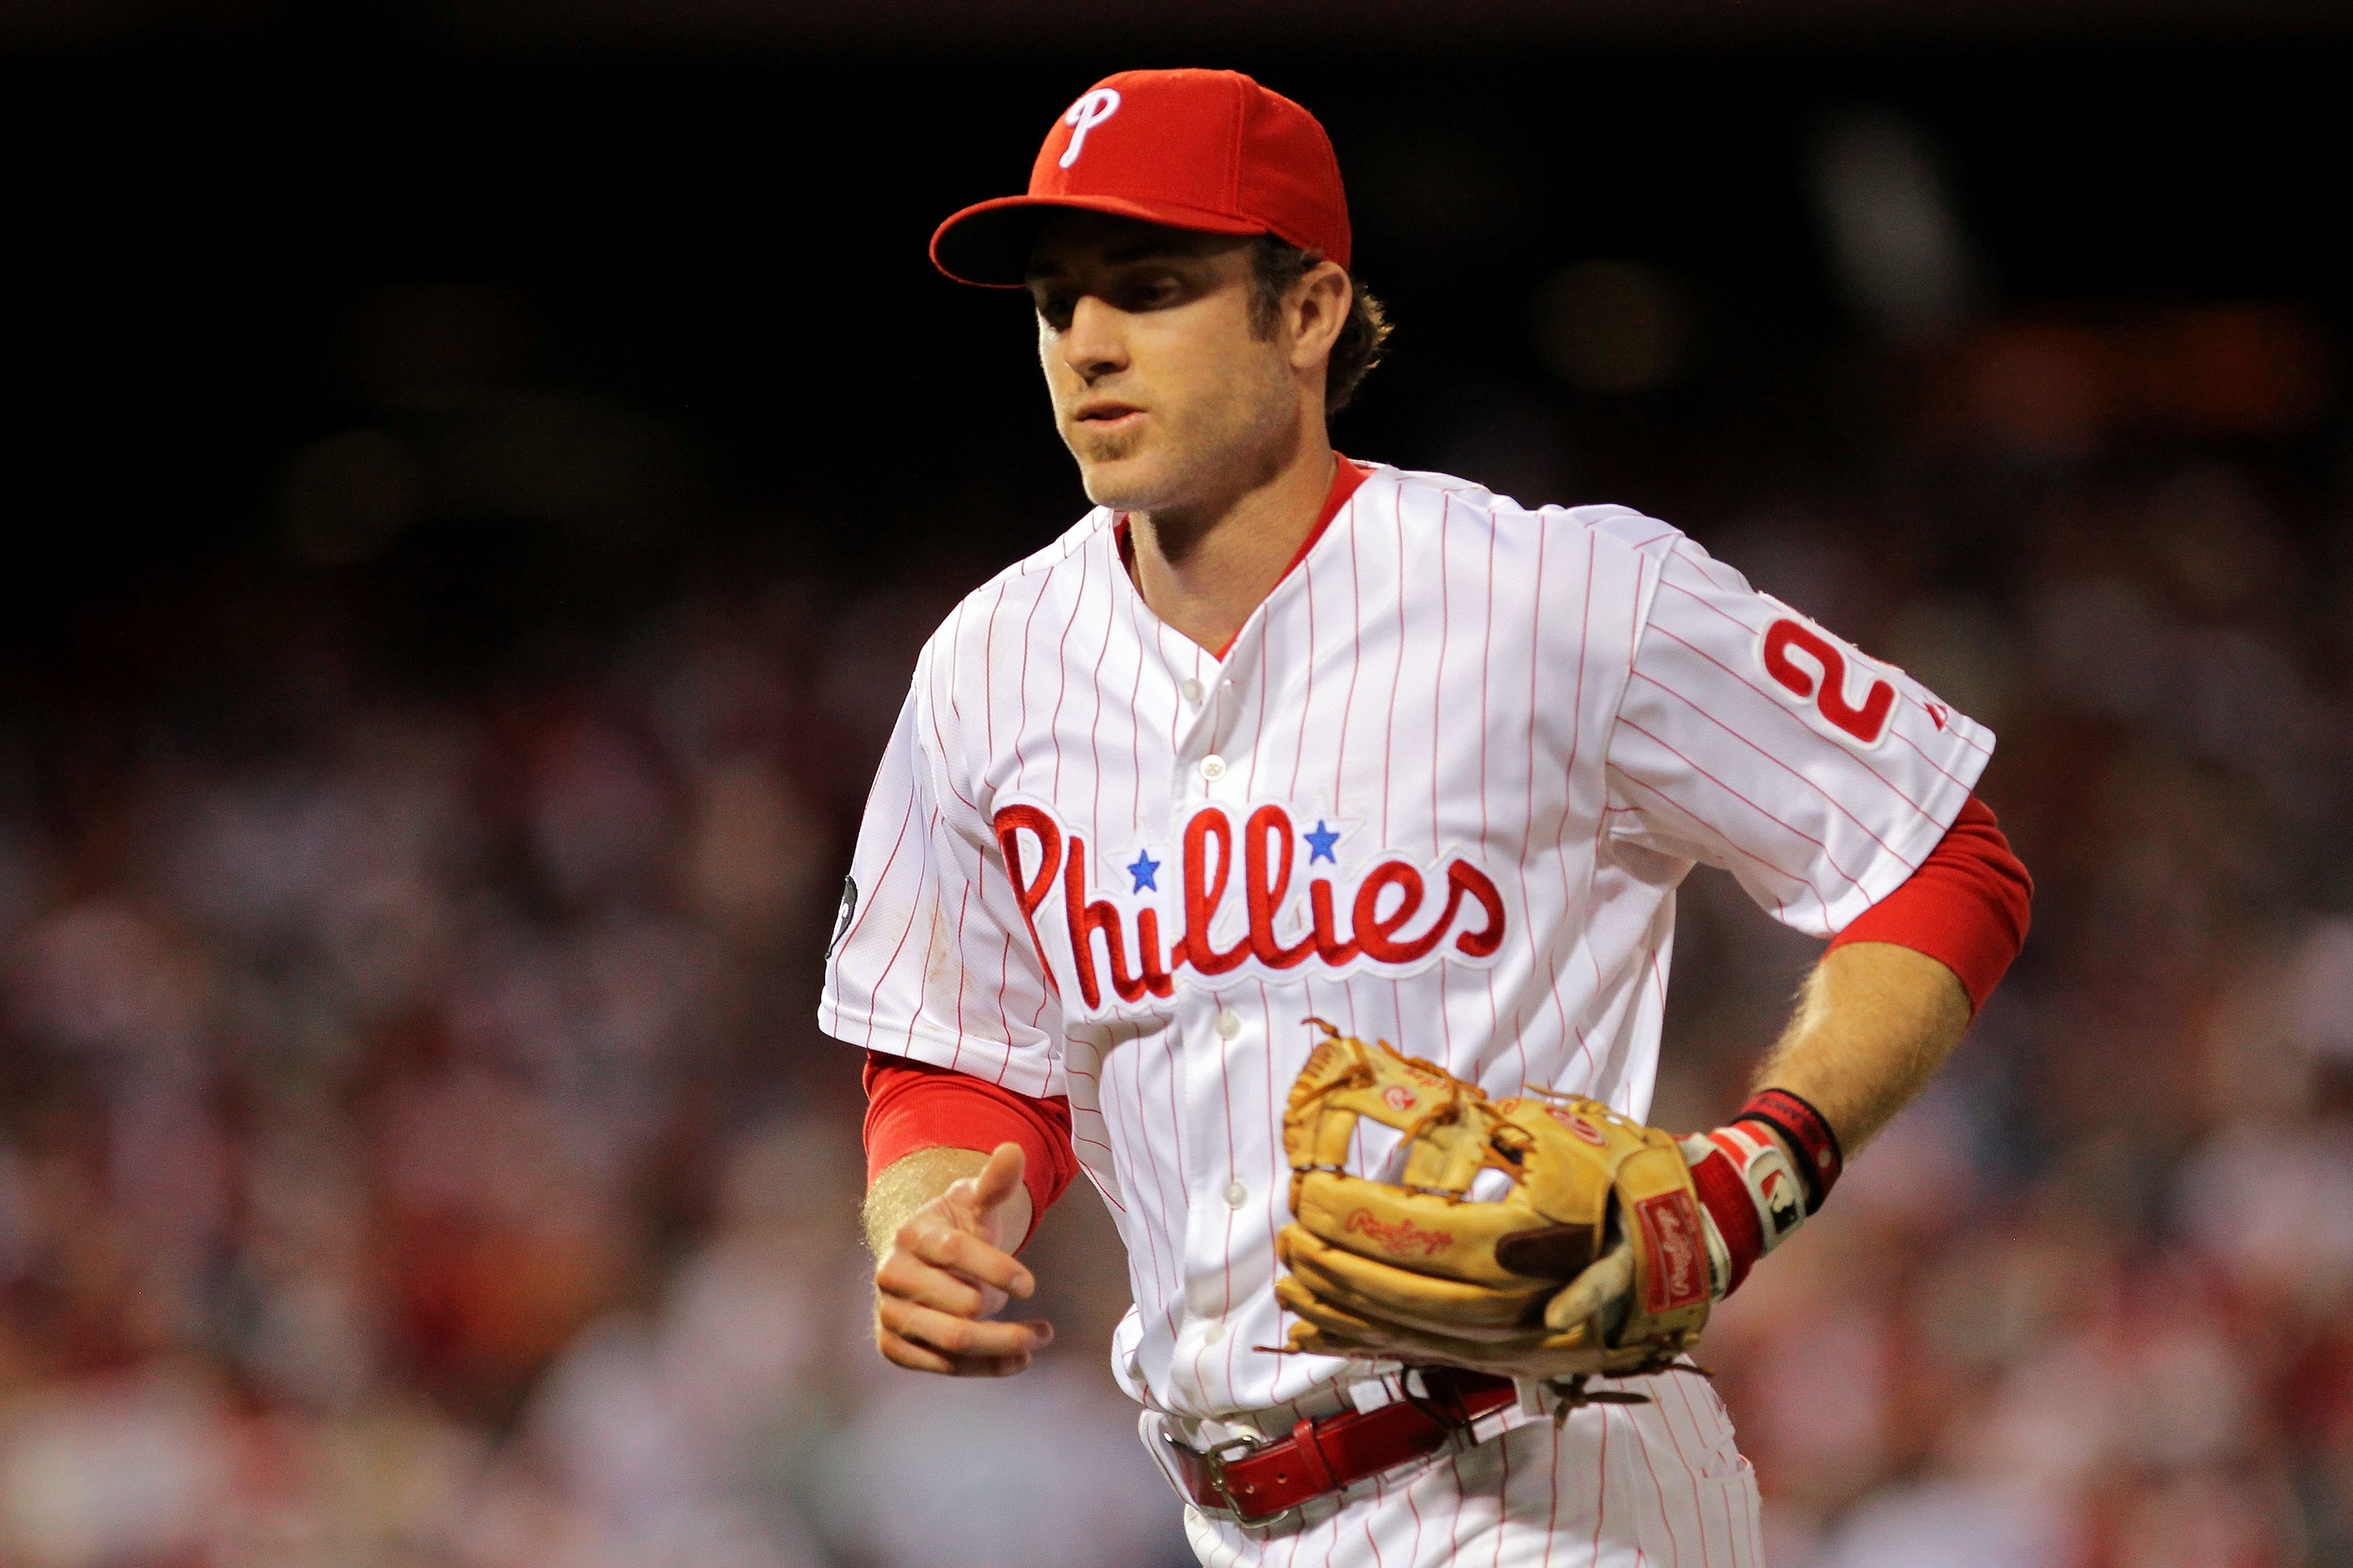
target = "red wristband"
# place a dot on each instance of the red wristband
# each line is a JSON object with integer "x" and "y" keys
{"x": 1809, "y": 1134}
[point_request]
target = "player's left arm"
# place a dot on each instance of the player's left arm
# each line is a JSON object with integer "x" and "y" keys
{"x": 1837, "y": 790}
{"x": 1900, "y": 983}
{"x": 1876, "y": 1019}
{"x": 1873, "y": 1024}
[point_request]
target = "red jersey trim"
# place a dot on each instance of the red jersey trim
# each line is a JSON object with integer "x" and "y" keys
{"x": 913, "y": 1105}
{"x": 1966, "y": 907}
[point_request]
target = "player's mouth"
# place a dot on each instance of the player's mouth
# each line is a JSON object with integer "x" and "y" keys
{"x": 1104, "y": 416}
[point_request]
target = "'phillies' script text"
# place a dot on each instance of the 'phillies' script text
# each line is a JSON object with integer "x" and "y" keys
{"x": 1396, "y": 914}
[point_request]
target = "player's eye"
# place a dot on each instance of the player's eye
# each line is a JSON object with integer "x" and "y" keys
{"x": 1055, "y": 308}
{"x": 1154, "y": 293}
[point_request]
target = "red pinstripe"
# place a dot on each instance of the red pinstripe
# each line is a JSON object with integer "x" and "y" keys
{"x": 1159, "y": 1188}
{"x": 858, "y": 925}
{"x": 1004, "y": 969}
{"x": 1683, "y": 1456}
{"x": 1257, "y": 730}
{"x": 1437, "y": 681}
{"x": 1674, "y": 1541}
{"x": 988, "y": 670}
{"x": 1397, "y": 678}
{"x": 964, "y": 902}
{"x": 1437, "y": 827}
{"x": 1486, "y": 655}
{"x": 1790, "y": 827}
{"x": 1136, "y": 719}
{"x": 1062, "y": 681}
{"x": 1777, "y": 705}
{"x": 1560, "y": 839}
{"x": 1932, "y": 761}
{"x": 1733, "y": 1535}
{"x": 1414, "y": 1507}
{"x": 1528, "y": 782}
{"x": 1601, "y": 1489}
{"x": 1307, "y": 694}
{"x": 1021, "y": 686}
{"x": 1454, "y": 1525}
{"x": 1275, "y": 1102}
{"x": 1095, "y": 729}
{"x": 1355, "y": 663}
{"x": 1835, "y": 804}
{"x": 1226, "y": 1094}
{"x": 1699, "y": 561}
{"x": 875, "y": 994}
{"x": 1503, "y": 1501}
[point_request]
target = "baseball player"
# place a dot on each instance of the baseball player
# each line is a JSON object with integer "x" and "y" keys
{"x": 1271, "y": 735}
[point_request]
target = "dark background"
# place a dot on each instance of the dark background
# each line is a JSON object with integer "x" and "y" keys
{"x": 475, "y": 482}
{"x": 730, "y": 242}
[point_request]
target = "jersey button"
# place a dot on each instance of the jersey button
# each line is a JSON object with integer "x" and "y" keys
{"x": 1193, "y": 691}
{"x": 1237, "y": 1194}
{"x": 1229, "y": 1026}
{"x": 1213, "y": 767}
{"x": 1213, "y": 1333}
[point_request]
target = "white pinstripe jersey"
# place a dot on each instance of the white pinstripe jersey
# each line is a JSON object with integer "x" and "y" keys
{"x": 1439, "y": 790}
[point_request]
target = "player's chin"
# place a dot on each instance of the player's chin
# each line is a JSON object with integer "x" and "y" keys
{"x": 1116, "y": 472}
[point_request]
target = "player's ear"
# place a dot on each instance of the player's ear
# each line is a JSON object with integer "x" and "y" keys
{"x": 1318, "y": 309}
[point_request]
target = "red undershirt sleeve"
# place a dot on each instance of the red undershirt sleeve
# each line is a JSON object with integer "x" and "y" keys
{"x": 913, "y": 1105}
{"x": 1966, "y": 907}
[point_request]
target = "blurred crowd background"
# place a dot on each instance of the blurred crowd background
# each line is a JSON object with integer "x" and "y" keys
{"x": 474, "y": 498}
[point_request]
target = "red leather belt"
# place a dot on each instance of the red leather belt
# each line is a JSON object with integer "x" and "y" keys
{"x": 1257, "y": 1482}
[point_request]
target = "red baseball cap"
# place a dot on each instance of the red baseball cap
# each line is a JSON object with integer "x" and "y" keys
{"x": 1192, "y": 149}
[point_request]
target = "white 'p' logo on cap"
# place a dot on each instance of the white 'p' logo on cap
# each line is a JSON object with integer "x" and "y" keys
{"x": 1092, "y": 110}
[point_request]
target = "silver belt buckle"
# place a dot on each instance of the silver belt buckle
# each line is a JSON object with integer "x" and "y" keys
{"x": 1214, "y": 1458}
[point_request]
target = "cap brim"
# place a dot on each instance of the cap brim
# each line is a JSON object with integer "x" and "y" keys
{"x": 988, "y": 243}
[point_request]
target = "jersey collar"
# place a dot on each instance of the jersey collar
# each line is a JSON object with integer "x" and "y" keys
{"x": 1346, "y": 477}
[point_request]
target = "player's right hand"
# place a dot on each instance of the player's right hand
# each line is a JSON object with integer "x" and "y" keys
{"x": 945, "y": 1275}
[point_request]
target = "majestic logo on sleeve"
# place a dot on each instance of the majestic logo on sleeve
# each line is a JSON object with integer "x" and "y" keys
{"x": 1245, "y": 899}
{"x": 1812, "y": 667}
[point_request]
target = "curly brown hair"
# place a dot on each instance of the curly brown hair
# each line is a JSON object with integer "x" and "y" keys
{"x": 1278, "y": 266}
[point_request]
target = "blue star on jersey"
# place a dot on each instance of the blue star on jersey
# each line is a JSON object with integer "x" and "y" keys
{"x": 1320, "y": 842}
{"x": 1144, "y": 870}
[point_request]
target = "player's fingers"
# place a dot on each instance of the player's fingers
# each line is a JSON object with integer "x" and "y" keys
{"x": 1405, "y": 1307}
{"x": 961, "y": 1336}
{"x": 932, "y": 1237}
{"x": 1610, "y": 1277}
{"x": 1333, "y": 1322}
{"x": 976, "y": 1260}
{"x": 902, "y": 1351}
{"x": 909, "y": 1277}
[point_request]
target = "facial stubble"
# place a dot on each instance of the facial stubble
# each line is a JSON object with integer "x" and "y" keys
{"x": 1244, "y": 449}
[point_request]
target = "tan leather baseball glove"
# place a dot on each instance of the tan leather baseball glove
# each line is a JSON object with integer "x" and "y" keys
{"x": 1594, "y": 1261}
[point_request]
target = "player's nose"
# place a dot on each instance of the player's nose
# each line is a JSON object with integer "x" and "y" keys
{"x": 1094, "y": 344}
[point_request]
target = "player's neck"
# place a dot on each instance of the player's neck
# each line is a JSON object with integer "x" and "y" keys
{"x": 1204, "y": 569}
